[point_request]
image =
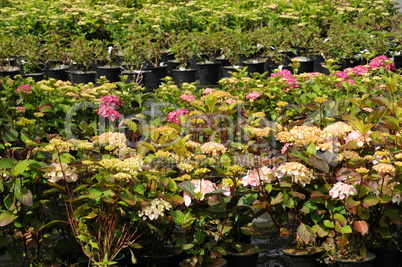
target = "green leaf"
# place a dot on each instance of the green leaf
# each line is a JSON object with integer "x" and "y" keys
{"x": 128, "y": 197}
{"x": 394, "y": 213}
{"x": 346, "y": 229}
{"x": 187, "y": 246}
{"x": 341, "y": 219}
{"x": 6, "y": 163}
{"x": 370, "y": 201}
{"x": 9, "y": 201}
{"x": 319, "y": 164}
{"x": 187, "y": 187}
{"x": 278, "y": 199}
{"x": 329, "y": 224}
{"x": 10, "y": 135}
{"x": 49, "y": 224}
{"x": 311, "y": 150}
{"x": 6, "y": 218}
{"x": 226, "y": 160}
{"x": 83, "y": 237}
{"x": 24, "y": 196}
{"x": 20, "y": 167}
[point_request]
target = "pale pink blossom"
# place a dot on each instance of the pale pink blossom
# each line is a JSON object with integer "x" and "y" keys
{"x": 368, "y": 109}
{"x": 256, "y": 176}
{"x": 208, "y": 91}
{"x": 358, "y": 137}
{"x": 358, "y": 70}
{"x": 342, "y": 191}
{"x": 348, "y": 175}
{"x": 230, "y": 101}
{"x": 203, "y": 187}
{"x": 173, "y": 116}
{"x": 188, "y": 98}
{"x": 253, "y": 95}
{"x": 20, "y": 109}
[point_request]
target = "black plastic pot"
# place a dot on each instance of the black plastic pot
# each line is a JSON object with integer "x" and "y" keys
{"x": 254, "y": 66}
{"x": 387, "y": 257}
{"x": 218, "y": 262}
{"x": 318, "y": 59}
{"x": 352, "y": 263}
{"x": 306, "y": 64}
{"x": 174, "y": 64}
{"x": 183, "y": 76}
{"x": 38, "y": 76}
{"x": 153, "y": 79}
{"x": 11, "y": 72}
{"x": 228, "y": 70}
{"x": 208, "y": 73}
{"x": 276, "y": 66}
{"x": 248, "y": 259}
{"x": 137, "y": 76}
{"x": 296, "y": 258}
{"x": 58, "y": 73}
{"x": 398, "y": 61}
{"x": 111, "y": 73}
{"x": 171, "y": 260}
{"x": 78, "y": 77}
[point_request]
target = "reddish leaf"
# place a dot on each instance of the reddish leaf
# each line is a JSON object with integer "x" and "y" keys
{"x": 341, "y": 219}
{"x": 361, "y": 226}
{"x": 284, "y": 232}
{"x": 305, "y": 234}
{"x": 6, "y": 218}
{"x": 317, "y": 194}
{"x": 297, "y": 194}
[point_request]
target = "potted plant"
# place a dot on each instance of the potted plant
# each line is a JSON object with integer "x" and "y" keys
{"x": 80, "y": 54}
{"x": 105, "y": 54}
{"x": 55, "y": 56}
{"x": 183, "y": 51}
{"x": 30, "y": 57}
{"x": 7, "y": 60}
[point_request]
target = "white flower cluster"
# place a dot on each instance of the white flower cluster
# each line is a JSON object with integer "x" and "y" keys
{"x": 155, "y": 210}
{"x": 213, "y": 148}
{"x": 342, "y": 191}
{"x": 55, "y": 174}
{"x": 300, "y": 173}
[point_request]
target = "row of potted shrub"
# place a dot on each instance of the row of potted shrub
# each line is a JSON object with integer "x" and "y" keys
{"x": 84, "y": 167}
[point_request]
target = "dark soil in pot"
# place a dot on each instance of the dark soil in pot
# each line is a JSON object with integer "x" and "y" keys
{"x": 303, "y": 257}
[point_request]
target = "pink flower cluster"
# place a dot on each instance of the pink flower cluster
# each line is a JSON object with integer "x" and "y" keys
{"x": 173, "y": 116}
{"x": 256, "y": 176}
{"x": 107, "y": 110}
{"x": 342, "y": 191}
{"x": 376, "y": 62}
{"x": 45, "y": 106}
{"x": 359, "y": 137}
{"x": 111, "y": 100}
{"x": 253, "y": 95}
{"x": 188, "y": 98}
{"x": 203, "y": 187}
{"x": 358, "y": 70}
{"x": 208, "y": 91}
{"x": 20, "y": 109}
{"x": 24, "y": 89}
{"x": 288, "y": 76}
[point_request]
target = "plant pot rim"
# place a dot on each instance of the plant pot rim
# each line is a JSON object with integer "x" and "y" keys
{"x": 370, "y": 257}
{"x": 303, "y": 59}
{"x": 9, "y": 69}
{"x": 255, "y": 61}
{"x": 157, "y": 67}
{"x": 294, "y": 251}
{"x": 182, "y": 70}
{"x": 59, "y": 67}
{"x": 207, "y": 63}
{"x": 236, "y": 67}
{"x": 135, "y": 71}
{"x": 109, "y": 67}
{"x": 250, "y": 250}
{"x": 83, "y": 72}
{"x": 34, "y": 74}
